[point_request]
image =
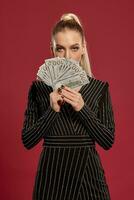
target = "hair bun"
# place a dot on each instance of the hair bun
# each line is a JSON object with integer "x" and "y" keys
{"x": 70, "y": 16}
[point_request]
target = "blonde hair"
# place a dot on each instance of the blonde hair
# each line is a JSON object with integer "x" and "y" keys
{"x": 71, "y": 21}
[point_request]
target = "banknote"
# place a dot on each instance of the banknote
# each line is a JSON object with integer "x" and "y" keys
{"x": 62, "y": 71}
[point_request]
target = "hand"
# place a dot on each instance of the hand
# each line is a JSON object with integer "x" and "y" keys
{"x": 73, "y": 97}
{"x": 56, "y": 100}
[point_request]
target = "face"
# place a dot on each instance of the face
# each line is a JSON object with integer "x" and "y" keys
{"x": 68, "y": 44}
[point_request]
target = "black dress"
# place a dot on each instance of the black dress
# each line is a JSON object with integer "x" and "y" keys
{"x": 69, "y": 166}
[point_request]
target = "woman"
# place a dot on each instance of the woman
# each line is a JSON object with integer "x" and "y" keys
{"x": 69, "y": 167}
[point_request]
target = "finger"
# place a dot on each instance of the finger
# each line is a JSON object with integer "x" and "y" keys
{"x": 69, "y": 95}
{"x": 74, "y": 104}
{"x": 68, "y": 101}
{"x": 60, "y": 100}
{"x": 59, "y": 90}
{"x": 70, "y": 90}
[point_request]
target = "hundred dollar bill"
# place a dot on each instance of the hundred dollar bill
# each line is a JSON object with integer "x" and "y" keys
{"x": 61, "y": 71}
{"x": 72, "y": 82}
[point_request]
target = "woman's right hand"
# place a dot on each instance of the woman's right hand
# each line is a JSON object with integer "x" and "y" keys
{"x": 56, "y": 100}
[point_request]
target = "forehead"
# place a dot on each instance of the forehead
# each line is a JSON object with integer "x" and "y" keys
{"x": 68, "y": 37}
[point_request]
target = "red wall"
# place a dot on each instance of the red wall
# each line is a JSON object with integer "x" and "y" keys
{"x": 25, "y": 36}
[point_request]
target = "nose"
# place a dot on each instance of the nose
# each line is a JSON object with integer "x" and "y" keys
{"x": 67, "y": 54}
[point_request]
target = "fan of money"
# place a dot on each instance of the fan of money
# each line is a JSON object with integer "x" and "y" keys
{"x": 57, "y": 71}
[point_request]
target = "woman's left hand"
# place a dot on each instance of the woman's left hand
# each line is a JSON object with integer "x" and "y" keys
{"x": 73, "y": 97}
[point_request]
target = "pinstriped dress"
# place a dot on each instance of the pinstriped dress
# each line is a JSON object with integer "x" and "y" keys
{"x": 69, "y": 166}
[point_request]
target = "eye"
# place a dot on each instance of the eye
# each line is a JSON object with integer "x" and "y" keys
{"x": 75, "y": 48}
{"x": 59, "y": 49}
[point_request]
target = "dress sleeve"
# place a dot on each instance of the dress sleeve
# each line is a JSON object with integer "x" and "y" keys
{"x": 35, "y": 127}
{"x": 101, "y": 127}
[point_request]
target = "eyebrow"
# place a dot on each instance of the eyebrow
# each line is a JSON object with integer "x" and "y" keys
{"x": 64, "y": 47}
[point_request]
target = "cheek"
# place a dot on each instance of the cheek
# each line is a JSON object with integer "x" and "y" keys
{"x": 59, "y": 54}
{"x": 76, "y": 56}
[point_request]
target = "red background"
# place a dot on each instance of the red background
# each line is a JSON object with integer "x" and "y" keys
{"x": 25, "y": 37}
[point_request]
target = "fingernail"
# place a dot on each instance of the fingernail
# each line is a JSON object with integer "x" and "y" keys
{"x": 59, "y": 102}
{"x": 59, "y": 90}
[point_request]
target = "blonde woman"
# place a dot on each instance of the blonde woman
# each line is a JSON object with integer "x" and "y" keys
{"x": 69, "y": 166}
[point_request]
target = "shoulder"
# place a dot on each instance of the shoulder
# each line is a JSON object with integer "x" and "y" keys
{"x": 102, "y": 84}
{"x": 38, "y": 83}
{"x": 39, "y": 87}
{"x": 97, "y": 87}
